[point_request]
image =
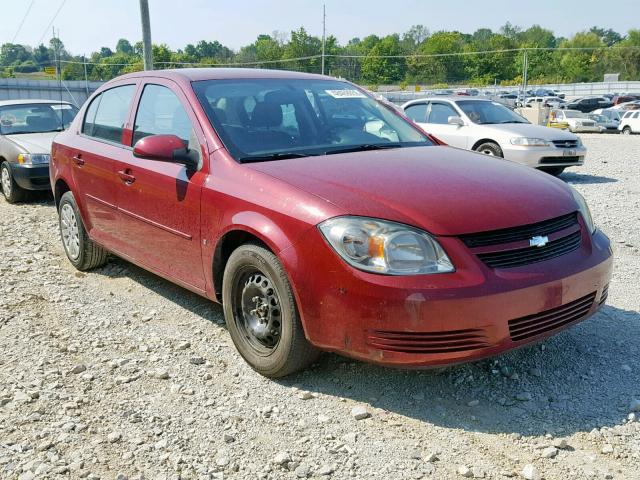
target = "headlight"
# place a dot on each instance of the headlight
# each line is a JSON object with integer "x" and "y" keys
{"x": 529, "y": 142}
{"x": 385, "y": 247}
{"x": 33, "y": 158}
{"x": 583, "y": 208}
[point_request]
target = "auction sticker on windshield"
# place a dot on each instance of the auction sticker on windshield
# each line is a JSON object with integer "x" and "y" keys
{"x": 346, "y": 94}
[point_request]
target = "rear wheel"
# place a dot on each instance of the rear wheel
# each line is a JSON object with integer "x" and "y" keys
{"x": 10, "y": 189}
{"x": 81, "y": 251}
{"x": 626, "y": 131}
{"x": 490, "y": 148}
{"x": 555, "y": 171}
{"x": 261, "y": 313}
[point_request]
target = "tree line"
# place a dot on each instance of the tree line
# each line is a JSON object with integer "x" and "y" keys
{"x": 417, "y": 56}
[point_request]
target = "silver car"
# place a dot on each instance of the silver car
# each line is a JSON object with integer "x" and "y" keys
{"x": 27, "y": 128}
{"x": 491, "y": 128}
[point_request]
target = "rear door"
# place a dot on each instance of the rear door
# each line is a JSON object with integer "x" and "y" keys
{"x": 437, "y": 123}
{"x": 159, "y": 202}
{"x": 93, "y": 154}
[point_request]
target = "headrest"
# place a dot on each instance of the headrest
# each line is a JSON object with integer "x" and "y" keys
{"x": 266, "y": 115}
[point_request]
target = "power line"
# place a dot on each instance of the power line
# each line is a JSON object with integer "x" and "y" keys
{"x": 55, "y": 15}
{"x": 22, "y": 22}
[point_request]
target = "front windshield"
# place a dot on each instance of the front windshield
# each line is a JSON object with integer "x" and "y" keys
{"x": 35, "y": 118}
{"x": 270, "y": 119}
{"x": 483, "y": 112}
{"x": 574, "y": 114}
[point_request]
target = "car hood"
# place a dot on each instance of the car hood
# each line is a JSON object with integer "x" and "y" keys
{"x": 533, "y": 131}
{"x": 33, "y": 142}
{"x": 444, "y": 190}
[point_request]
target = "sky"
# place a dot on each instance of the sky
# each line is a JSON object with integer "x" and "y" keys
{"x": 87, "y": 25}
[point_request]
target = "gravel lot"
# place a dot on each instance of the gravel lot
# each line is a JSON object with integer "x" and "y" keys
{"x": 120, "y": 374}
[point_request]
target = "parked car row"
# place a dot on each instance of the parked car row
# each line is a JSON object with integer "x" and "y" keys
{"x": 323, "y": 219}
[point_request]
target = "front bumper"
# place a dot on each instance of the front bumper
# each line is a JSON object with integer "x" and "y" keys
{"x": 442, "y": 319}
{"x": 545, "y": 156}
{"x": 31, "y": 177}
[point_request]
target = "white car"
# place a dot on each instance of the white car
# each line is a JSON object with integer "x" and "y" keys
{"x": 630, "y": 122}
{"x": 573, "y": 120}
{"x": 491, "y": 128}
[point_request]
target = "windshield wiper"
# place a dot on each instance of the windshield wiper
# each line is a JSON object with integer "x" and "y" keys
{"x": 39, "y": 131}
{"x": 272, "y": 156}
{"x": 363, "y": 148}
{"x": 513, "y": 121}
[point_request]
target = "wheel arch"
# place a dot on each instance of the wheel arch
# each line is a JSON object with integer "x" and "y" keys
{"x": 485, "y": 140}
{"x": 60, "y": 188}
{"x": 259, "y": 230}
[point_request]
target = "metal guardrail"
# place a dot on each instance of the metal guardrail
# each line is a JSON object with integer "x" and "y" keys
{"x": 74, "y": 91}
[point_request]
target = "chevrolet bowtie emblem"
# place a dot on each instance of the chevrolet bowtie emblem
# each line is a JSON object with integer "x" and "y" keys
{"x": 538, "y": 241}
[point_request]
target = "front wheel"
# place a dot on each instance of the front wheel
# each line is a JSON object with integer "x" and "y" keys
{"x": 555, "y": 171}
{"x": 12, "y": 192}
{"x": 490, "y": 148}
{"x": 626, "y": 131}
{"x": 261, "y": 314}
{"x": 81, "y": 251}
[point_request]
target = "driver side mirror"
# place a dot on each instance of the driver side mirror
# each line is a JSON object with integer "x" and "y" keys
{"x": 455, "y": 120}
{"x": 166, "y": 148}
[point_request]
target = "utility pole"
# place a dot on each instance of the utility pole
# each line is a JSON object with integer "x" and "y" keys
{"x": 324, "y": 32}
{"x": 86, "y": 78}
{"x": 146, "y": 35}
{"x": 525, "y": 72}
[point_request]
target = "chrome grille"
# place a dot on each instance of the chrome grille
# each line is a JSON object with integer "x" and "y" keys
{"x": 565, "y": 143}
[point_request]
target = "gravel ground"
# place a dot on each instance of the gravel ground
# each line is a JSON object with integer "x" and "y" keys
{"x": 120, "y": 374}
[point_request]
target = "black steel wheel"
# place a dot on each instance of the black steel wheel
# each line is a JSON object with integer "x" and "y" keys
{"x": 261, "y": 313}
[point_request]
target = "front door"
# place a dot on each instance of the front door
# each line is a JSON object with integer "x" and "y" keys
{"x": 437, "y": 123}
{"x": 159, "y": 202}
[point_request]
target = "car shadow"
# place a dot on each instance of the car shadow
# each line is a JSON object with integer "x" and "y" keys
{"x": 572, "y": 382}
{"x": 580, "y": 379}
{"x": 117, "y": 267}
{"x": 573, "y": 177}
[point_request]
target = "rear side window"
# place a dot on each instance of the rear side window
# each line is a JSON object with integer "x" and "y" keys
{"x": 417, "y": 112}
{"x": 636, "y": 115}
{"x": 108, "y": 112}
{"x": 160, "y": 112}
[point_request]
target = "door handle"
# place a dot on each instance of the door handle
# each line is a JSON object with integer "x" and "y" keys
{"x": 78, "y": 159}
{"x": 126, "y": 176}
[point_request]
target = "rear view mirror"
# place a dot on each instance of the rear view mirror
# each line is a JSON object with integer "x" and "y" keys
{"x": 455, "y": 120}
{"x": 166, "y": 148}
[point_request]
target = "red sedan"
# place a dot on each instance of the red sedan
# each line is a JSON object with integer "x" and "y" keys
{"x": 323, "y": 220}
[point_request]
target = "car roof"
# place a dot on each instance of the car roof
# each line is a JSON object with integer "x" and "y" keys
{"x": 451, "y": 98}
{"x": 4, "y": 103}
{"x": 197, "y": 74}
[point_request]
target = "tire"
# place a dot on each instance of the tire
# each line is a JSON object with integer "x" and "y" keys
{"x": 490, "y": 148}
{"x": 270, "y": 336}
{"x": 12, "y": 192}
{"x": 555, "y": 171}
{"x": 81, "y": 251}
{"x": 626, "y": 131}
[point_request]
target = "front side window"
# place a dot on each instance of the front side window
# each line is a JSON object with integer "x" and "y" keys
{"x": 264, "y": 119}
{"x": 483, "y": 112}
{"x": 417, "y": 112}
{"x": 107, "y": 119}
{"x": 440, "y": 113}
{"x": 35, "y": 118}
{"x": 160, "y": 112}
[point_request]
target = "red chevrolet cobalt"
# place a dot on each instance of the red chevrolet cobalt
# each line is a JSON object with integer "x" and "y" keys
{"x": 323, "y": 220}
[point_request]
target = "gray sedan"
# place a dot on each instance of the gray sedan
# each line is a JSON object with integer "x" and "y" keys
{"x": 27, "y": 128}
